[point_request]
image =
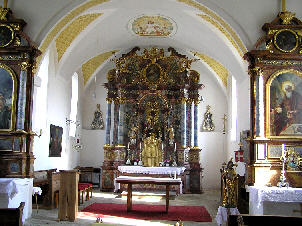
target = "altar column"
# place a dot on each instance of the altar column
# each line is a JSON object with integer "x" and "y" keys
{"x": 116, "y": 121}
{"x": 183, "y": 122}
{"x": 121, "y": 123}
{"x": 196, "y": 102}
{"x": 189, "y": 122}
{"x": 108, "y": 122}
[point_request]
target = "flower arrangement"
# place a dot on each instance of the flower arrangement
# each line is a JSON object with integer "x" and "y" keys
{"x": 135, "y": 160}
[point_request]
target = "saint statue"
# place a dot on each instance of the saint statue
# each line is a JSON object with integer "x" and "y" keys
{"x": 97, "y": 122}
{"x": 171, "y": 135}
{"x": 133, "y": 134}
{"x": 229, "y": 181}
{"x": 152, "y": 154}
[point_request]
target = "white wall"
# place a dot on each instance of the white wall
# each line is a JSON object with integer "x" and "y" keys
{"x": 57, "y": 110}
{"x": 92, "y": 153}
{"x": 212, "y": 155}
{"x": 213, "y": 144}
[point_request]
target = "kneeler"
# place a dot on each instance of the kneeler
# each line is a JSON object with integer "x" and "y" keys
{"x": 82, "y": 187}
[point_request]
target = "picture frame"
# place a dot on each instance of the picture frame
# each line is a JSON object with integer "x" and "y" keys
{"x": 284, "y": 104}
{"x": 8, "y": 87}
{"x": 55, "y": 143}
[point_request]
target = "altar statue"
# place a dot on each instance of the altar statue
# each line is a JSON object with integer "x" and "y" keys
{"x": 152, "y": 154}
{"x": 229, "y": 179}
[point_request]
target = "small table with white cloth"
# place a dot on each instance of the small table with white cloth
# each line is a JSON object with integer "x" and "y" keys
{"x": 37, "y": 191}
{"x": 223, "y": 212}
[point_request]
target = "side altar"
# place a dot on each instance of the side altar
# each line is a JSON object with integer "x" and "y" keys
{"x": 152, "y": 115}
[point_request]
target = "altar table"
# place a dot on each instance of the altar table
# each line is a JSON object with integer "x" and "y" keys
{"x": 258, "y": 195}
{"x": 178, "y": 170}
{"x": 147, "y": 180}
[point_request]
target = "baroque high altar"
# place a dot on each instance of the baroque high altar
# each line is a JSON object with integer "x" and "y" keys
{"x": 152, "y": 103}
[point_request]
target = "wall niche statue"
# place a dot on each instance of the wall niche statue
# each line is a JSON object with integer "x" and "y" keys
{"x": 97, "y": 122}
{"x": 208, "y": 124}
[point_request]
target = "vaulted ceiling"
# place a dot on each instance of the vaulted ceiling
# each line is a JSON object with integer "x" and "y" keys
{"x": 86, "y": 34}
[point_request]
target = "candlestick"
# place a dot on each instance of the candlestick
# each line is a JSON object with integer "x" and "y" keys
{"x": 282, "y": 182}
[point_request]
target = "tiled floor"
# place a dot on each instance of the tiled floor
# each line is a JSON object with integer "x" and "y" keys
{"x": 209, "y": 199}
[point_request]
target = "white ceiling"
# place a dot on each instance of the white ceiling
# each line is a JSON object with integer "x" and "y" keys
{"x": 110, "y": 31}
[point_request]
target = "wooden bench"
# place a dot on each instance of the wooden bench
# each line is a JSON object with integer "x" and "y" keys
{"x": 90, "y": 175}
{"x": 12, "y": 216}
{"x": 82, "y": 188}
{"x": 147, "y": 180}
{"x": 255, "y": 220}
{"x": 49, "y": 181}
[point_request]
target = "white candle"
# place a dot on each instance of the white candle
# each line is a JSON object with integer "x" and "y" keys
{"x": 174, "y": 146}
{"x": 140, "y": 145}
{"x": 128, "y": 145}
{"x": 283, "y": 150}
{"x": 162, "y": 146}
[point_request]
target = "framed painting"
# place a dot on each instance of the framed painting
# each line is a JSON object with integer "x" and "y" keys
{"x": 8, "y": 89}
{"x": 55, "y": 144}
{"x": 284, "y": 104}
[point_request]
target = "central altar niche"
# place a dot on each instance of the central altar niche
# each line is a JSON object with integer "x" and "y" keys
{"x": 151, "y": 90}
{"x": 153, "y": 110}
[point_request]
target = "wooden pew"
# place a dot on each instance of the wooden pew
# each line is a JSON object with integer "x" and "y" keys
{"x": 49, "y": 181}
{"x": 256, "y": 220}
{"x": 11, "y": 216}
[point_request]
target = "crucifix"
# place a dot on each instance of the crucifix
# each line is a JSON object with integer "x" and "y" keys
{"x": 224, "y": 121}
{"x": 283, "y": 3}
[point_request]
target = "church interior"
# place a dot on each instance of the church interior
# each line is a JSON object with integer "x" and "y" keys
{"x": 196, "y": 102}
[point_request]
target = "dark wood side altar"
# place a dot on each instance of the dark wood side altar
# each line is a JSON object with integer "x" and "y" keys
{"x": 17, "y": 60}
{"x": 275, "y": 69}
{"x": 152, "y": 93}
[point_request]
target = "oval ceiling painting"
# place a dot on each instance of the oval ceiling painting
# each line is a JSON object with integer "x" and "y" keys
{"x": 153, "y": 26}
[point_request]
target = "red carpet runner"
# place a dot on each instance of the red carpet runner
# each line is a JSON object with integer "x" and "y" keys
{"x": 149, "y": 212}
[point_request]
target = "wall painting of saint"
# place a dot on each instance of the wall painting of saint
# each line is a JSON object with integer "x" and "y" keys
{"x": 284, "y": 105}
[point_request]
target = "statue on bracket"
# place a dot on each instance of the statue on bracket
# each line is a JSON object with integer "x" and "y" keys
{"x": 171, "y": 135}
{"x": 98, "y": 122}
{"x": 133, "y": 135}
{"x": 208, "y": 124}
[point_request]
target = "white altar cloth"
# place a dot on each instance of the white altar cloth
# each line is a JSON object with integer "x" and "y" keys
{"x": 14, "y": 191}
{"x": 152, "y": 170}
{"x": 222, "y": 214}
{"x": 258, "y": 195}
{"x": 8, "y": 187}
